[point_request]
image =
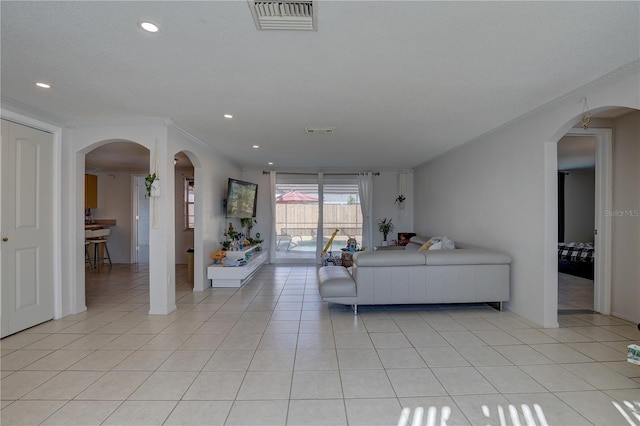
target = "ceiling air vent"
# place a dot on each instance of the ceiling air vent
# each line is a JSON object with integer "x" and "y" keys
{"x": 284, "y": 15}
{"x": 319, "y": 129}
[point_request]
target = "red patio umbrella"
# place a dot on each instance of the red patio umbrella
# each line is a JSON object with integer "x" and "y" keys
{"x": 295, "y": 197}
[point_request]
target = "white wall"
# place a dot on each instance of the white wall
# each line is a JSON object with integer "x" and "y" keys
{"x": 385, "y": 191}
{"x": 625, "y": 218}
{"x": 500, "y": 191}
{"x": 579, "y": 205}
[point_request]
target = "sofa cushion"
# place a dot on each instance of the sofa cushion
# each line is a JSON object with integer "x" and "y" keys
{"x": 336, "y": 281}
{"x": 389, "y": 258}
{"x": 412, "y": 246}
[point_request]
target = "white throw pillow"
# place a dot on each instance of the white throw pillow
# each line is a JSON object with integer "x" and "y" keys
{"x": 436, "y": 246}
{"x": 447, "y": 243}
{"x": 444, "y": 242}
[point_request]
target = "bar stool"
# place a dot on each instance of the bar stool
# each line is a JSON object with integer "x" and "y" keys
{"x": 98, "y": 237}
{"x": 87, "y": 256}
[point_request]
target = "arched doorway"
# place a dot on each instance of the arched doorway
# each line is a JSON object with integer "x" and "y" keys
{"x": 188, "y": 219}
{"x": 613, "y": 130}
{"x": 117, "y": 168}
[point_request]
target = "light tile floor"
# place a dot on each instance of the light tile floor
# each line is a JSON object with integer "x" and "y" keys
{"x": 574, "y": 293}
{"x": 271, "y": 353}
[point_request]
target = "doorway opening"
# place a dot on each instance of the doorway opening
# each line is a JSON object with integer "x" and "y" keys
{"x": 119, "y": 204}
{"x": 185, "y": 224}
{"x": 576, "y": 223}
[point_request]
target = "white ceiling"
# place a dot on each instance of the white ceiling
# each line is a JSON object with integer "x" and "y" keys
{"x": 401, "y": 82}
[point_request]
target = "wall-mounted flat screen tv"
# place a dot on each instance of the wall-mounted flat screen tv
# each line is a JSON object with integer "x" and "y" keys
{"x": 241, "y": 198}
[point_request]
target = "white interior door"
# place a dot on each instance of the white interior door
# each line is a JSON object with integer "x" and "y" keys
{"x": 142, "y": 221}
{"x": 27, "y": 227}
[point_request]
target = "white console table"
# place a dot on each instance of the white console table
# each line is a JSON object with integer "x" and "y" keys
{"x": 235, "y": 276}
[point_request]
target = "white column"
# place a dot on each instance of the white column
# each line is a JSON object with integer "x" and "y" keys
{"x": 162, "y": 293}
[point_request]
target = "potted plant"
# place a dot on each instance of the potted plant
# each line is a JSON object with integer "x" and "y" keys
{"x": 400, "y": 201}
{"x": 248, "y": 222}
{"x": 385, "y": 226}
{"x": 149, "y": 182}
{"x": 231, "y": 238}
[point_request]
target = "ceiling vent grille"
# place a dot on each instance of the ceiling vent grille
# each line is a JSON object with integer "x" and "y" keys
{"x": 319, "y": 129}
{"x": 284, "y": 15}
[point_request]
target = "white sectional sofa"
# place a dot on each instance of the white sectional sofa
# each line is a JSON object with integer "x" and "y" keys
{"x": 466, "y": 274}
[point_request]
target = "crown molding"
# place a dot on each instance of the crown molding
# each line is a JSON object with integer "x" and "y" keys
{"x": 21, "y": 108}
{"x": 128, "y": 122}
{"x": 203, "y": 144}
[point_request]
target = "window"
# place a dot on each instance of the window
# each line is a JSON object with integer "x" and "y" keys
{"x": 189, "y": 209}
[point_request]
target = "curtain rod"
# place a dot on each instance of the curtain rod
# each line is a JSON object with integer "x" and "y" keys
{"x": 265, "y": 172}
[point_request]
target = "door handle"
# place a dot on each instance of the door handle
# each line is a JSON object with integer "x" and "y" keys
{"x": 5, "y": 239}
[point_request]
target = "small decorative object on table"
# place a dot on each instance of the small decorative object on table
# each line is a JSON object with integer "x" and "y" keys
{"x": 405, "y": 237}
{"x": 232, "y": 238}
{"x": 248, "y": 222}
{"x": 218, "y": 256}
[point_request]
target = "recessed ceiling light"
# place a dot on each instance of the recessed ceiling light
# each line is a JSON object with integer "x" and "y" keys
{"x": 256, "y": 146}
{"x": 228, "y": 116}
{"x": 270, "y": 163}
{"x": 149, "y": 27}
{"x": 43, "y": 85}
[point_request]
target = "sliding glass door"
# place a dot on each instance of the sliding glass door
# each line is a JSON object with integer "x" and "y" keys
{"x": 341, "y": 211}
{"x": 306, "y": 209}
{"x": 297, "y": 207}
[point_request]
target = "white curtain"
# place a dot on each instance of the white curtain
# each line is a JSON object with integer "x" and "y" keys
{"x": 320, "y": 232}
{"x": 365, "y": 188}
{"x": 272, "y": 245}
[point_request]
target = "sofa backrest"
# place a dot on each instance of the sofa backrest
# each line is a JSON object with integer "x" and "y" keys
{"x": 389, "y": 258}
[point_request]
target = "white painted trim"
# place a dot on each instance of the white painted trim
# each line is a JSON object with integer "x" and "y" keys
{"x": 200, "y": 283}
{"x": 57, "y": 200}
{"x": 550, "y": 294}
{"x": 603, "y": 203}
{"x": 133, "y": 258}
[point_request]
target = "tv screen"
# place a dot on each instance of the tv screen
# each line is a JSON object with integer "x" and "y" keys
{"x": 241, "y": 198}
